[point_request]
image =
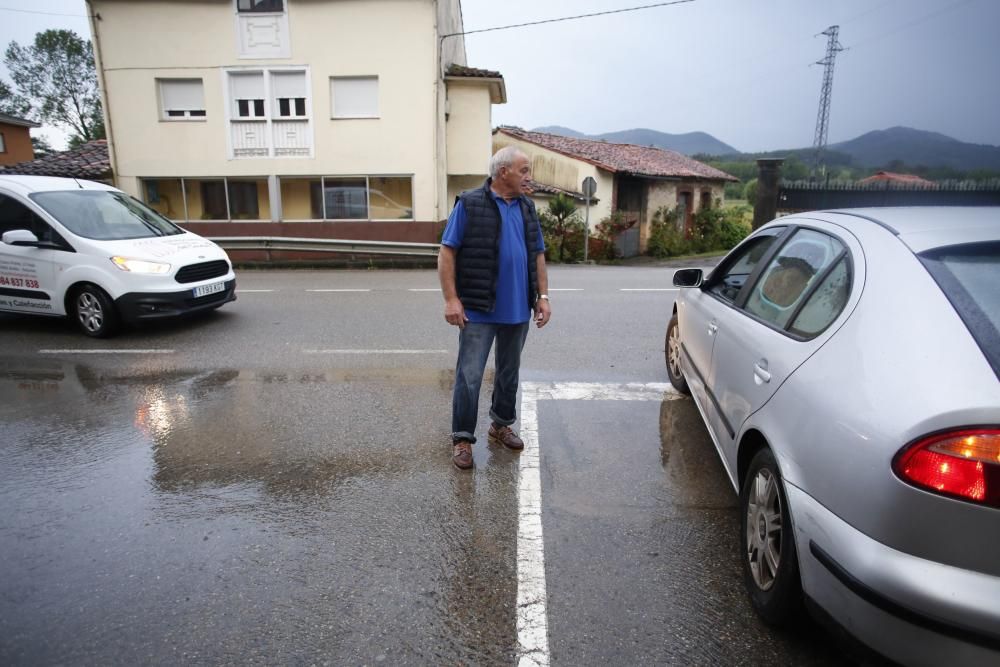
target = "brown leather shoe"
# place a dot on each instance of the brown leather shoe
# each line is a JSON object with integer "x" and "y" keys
{"x": 505, "y": 436}
{"x": 462, "y": 454}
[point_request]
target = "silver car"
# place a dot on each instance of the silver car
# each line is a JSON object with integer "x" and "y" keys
{"x": 847, "y": 366}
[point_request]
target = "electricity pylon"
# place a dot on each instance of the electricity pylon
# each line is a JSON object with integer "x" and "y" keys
{"x": 833, "y": 47}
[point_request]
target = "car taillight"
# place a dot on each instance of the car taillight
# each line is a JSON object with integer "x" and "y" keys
{"x": 962, "y": 464}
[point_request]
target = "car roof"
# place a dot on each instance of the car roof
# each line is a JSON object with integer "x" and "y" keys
{"x": 25, "y": 185}
{"x": 922, "y": 228}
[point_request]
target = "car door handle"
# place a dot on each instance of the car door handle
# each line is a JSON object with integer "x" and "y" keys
{"x": 760, "y": 372}
{"x": 712, "y": 328}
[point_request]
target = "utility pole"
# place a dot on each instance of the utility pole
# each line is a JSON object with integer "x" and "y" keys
{"x": 833, "y": 47}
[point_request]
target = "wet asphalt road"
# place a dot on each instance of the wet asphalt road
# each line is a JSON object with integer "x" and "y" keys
{"x": 271, "y": 484}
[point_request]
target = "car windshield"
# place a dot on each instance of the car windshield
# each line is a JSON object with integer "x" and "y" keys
{"x": 104, "y": 215}
{"x": 969, "y": 275}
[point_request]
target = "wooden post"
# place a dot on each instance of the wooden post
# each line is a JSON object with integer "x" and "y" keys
{"x": 766, "y": 206}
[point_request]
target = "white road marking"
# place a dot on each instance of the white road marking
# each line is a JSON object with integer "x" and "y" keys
{"x": 532, "y": 617}
{"x": 649, "y": 289}
{"x": 338, "y": 290}
{"x": 251, "y": 291}
{"x": 69, "y": 351}
{"x": 359, "y": 351}
{"x": 424, "y": 289}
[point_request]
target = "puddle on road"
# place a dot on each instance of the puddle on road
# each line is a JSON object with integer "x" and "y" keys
{"x": 317, "y": 513}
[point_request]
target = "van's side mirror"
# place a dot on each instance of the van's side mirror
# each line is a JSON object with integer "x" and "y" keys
{"x": 687, "y": 278}
{"x": 20, "y": 237}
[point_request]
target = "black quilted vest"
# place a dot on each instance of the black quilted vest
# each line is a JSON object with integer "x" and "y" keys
{"x": 477, "y": 262}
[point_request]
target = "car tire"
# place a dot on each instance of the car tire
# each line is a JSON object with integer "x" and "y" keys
{"x": 93, "y": 311}
{"x": 672, "y": 355}
{"x": 770, "y": 563}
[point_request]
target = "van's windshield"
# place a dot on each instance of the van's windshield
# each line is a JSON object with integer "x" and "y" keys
{"x": 104, "y": 215}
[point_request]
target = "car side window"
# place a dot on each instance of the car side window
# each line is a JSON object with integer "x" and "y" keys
{"x": 735, "y": 274}
{"x": 786, "y": 281}
{"x": 826, "y": 302}
{"x": 15, "y": 215}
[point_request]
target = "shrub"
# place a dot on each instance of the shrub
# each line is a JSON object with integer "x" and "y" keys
{"x": 562, "y": 229}
{"x": 607, "y": 231}
{"x": 750, "y": 192}
{"x": 665, "y": 237}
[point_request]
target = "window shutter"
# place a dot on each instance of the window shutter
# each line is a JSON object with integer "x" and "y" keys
{"x": 355, "y": 96}
{"x": 182, "y": 94}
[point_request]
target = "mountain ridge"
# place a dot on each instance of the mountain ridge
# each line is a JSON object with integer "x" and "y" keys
{"x": 878, "y": 148}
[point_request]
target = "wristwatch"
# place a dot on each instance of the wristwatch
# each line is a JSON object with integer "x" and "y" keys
{"x": 543, "y": 296}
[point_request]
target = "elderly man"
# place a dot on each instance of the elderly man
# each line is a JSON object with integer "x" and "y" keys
{"x": 492, "y": 272}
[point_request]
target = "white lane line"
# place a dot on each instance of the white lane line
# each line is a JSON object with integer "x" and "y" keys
{"x": 532, "y": 617}
{"x": 70, "y": 351}
{"x": 649, "y": 289}
{"x": 338, "y": 290}
{"x": 252, "y": 291}
{"x": 424, "y": 289}
{"x": 359, "y": 351}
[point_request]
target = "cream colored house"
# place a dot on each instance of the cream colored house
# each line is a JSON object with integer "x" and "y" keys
{"x": 350, "y": 119}
{"x": 633, "y": 180}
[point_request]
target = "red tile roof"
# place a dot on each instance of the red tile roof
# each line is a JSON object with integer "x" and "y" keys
{"x": 89, "y": 161}
{"x": 544, "y": 189}
{"x": 622, "y": 158}
{"x": 462, "y": 70}
{"x": 893, "y": 177}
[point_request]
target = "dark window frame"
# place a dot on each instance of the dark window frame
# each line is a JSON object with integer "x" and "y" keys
{"x": 260, "y": 6}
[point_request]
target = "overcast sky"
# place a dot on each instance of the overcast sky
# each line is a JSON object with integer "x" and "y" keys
{"x": 737, "y": 69}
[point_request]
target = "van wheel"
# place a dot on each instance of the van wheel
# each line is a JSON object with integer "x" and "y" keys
{"x": 94, "y": 311}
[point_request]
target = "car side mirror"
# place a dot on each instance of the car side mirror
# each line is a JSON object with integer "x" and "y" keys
{"x": 20, "y": 237}
{"x": 688, "y": 278}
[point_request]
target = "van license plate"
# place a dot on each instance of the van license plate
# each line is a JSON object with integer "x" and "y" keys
{"x": 205, "y": 290}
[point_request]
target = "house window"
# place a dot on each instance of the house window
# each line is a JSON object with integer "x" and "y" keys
{"x": 354, "y": 96}
{"x": 243, "y": 203}
{"x": 3, "y": 144}
{"x": 246, "y": 6}
{"x": 182, "y": 99}
{"x": 289, "y": 92}
{"x": 208, "y": 198}
{"x": 248, "y": 94}
{"x": 347, "y": 198}
{"x": 706, "y": 201}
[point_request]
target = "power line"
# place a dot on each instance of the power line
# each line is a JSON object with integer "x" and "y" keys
{"x": 32, "y": 11}
{"x": 568, "y": 18}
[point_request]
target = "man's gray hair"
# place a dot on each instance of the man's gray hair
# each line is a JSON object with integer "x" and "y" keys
{"x": 504, "y": 158}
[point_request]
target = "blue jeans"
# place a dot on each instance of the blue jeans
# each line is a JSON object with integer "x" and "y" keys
{"x": 474, "y": 343}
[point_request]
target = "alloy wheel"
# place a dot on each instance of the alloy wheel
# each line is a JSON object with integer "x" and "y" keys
{"x": 674, "y": 351}
{"x": 88, "y": 309}
{"x": 763, "y": 529}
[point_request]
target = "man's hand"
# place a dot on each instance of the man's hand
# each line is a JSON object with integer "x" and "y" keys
{"x": 454, "y": 313}
{"x": 543, "y": 311}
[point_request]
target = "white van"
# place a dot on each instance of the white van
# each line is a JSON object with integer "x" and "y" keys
{"x": 91, "y": 252}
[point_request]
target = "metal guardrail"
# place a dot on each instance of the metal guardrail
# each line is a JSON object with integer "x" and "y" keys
{"x": 326, "y": 245}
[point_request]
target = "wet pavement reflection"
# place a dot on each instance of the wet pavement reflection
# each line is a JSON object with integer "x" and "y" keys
{"x": 641, "y": 544}
{"x": 153, "y": 515}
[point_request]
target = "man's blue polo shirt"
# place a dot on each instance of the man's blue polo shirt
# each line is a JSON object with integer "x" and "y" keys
{"x": 512, "y": 278}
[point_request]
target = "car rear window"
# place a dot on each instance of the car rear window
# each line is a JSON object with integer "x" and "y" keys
{"x": 969, "y": 275}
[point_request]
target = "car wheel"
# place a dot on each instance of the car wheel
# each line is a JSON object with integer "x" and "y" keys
{"x": 672, "y": 352}
{"x": 94, "y": 312}
{"x": 770, "y": 565}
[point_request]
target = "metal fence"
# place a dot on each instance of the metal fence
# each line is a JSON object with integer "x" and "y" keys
{"x": 326, "y": 245}
{"x": 808, "y": 195}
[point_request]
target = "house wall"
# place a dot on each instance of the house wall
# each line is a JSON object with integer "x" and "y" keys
{"x": 17, "y": 144}
{"x": 565, "y": 172}
{"x": 470, "y": 142}
{"x": 143, "y": 41}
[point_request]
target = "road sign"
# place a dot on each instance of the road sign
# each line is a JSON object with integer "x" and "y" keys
{"x": 589, "y": 186}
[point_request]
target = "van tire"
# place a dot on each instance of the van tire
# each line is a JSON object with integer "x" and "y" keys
{"x": 93, "y": 311}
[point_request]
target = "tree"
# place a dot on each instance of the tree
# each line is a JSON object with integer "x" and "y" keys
{"x": 41, "y": 147}
{"x": 11, "y": 103}
{"x": 56, "y": 75}
{"x": 561, "y": 220}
